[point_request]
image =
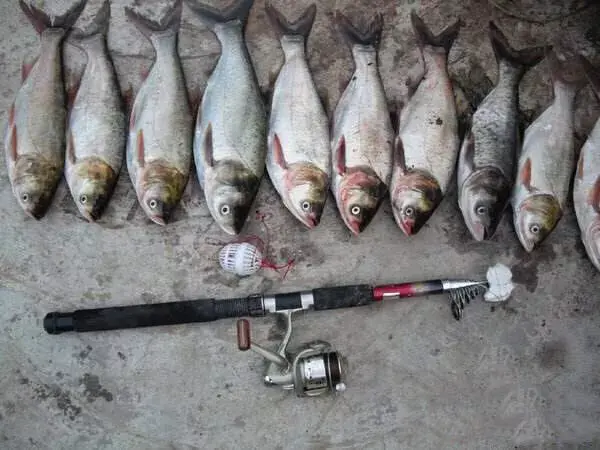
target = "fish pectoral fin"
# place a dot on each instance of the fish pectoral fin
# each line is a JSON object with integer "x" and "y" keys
{"x": 127, "y": 96}
{"x": 278, "y": 152}
{"x": 466, "y": 156}
{"x": 525, "y": 175}
{"x": 71, "y": 148}
{"x": 413, "y": 81}
{"x": 207, "y": 146}
{"x": 12, "y": 143}
{"x": 579, "y": 173}
{"x": 26, "y": 67}
{"x": 73, "y": 89}
{"x": 399, "y": 157}
{"x": 340, "y": 156}
{"x": 594, "y": 197}
{"x": 140, "y": 150}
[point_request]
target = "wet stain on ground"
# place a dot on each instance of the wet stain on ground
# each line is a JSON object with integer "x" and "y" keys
{"x": 83, "y": 354}
{"x": 525, "y": 271}
{"x": 552, "y": 355}
{"x": 93, "y": 388}
{"x": 62, "y": 397}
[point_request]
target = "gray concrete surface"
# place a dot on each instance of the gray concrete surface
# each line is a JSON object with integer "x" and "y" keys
{"x": 524, "y": 375}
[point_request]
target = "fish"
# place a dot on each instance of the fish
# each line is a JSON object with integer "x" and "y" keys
{"x": 159, "y": 143}
{"x": 34, "y": 139}
{"x": 586, "y": 186}
{"x": 488, "y": 156}
{"x": 298, "y": 143}
{"x": 362, "y": 134}
{"x": 547, "y": 160}
{"x": 97, "y": 126}
{"x": 426, "y": 148}
{"x": 230, "y": 140}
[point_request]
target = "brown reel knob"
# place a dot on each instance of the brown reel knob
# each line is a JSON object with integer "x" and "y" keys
{"x": 243, "y": 334}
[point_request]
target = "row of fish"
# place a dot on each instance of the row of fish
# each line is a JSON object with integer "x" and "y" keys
{"x": 360, "y": 158}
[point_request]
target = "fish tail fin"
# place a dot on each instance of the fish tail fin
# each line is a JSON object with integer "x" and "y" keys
{"x": 368, "y": 34}
{"x": 523, "y": 59}
{"x": 98, "y": 26}
{"x": 567, "y": 73}
{"x": 592, "y": 74}
{"x": 238, "y": 10}
{"x": 41, "y": 20}
{"x": 425, "y": 37}
{"x": 169, "y": 22}
{"x": 300, "y": 26}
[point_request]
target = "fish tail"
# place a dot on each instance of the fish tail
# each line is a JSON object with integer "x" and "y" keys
{"x": 300, "y": 26}
{"x": 567, "y": 73}
{"x": 592, "y": 74}
{"x": 238, "y": 10}
{"x": 365, "y": 34}
{"x": 169, "y": 22}
{"x": 425, "y": 37}
{"x": 98, "y": 26}
{"x": 41, "y": 20}
{"x": 523, "y": 59}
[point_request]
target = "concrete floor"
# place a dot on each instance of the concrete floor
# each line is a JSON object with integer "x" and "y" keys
{"x": 525, "y": 374}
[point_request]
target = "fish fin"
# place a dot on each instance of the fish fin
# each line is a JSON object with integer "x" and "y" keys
{"x": 425, "y": 37}
{"x": 579, "y": 173}
{"x": 26, "y": 68}
{"x": 278, "y": 152}
{"x": 170, "y": 21}
{"x": 594, "y": 198}
{"x": 524, "y": 58}
{"x": 399, "y": 158}
{"x": 340, "y": 160}
{"x": 72, "y": 91}
{"x": 140, "y": 148}
{"x": 41, "y": 20}
{"x": 412, "y": 83}
{"x": 301, "y": 26}
{"x": 237, "y": 10}
{"x": 364, "y": 34}
{"x": 99, "y": 25}
{"x": 525, "y": 175}
{"x": 11, "y": 115}
{"x": 128, "y": 99}
{"x": 467, "y": 154}
{"x": 208, "y": 146}
{"x": 71, "y": 149}
{"x": 592, "y": 73}
{"x": 569, "y": 72}
{"x": 12, "y": 143}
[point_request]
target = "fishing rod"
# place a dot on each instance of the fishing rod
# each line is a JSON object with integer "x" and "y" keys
{"x": 317, "y": 368}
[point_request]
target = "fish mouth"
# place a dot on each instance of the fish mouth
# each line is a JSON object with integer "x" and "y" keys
{"x": 479, "y": 232}
{"x": 160, "y": 220}
{"x": 37, "y": 215}
{"x": 408, "y": 227}
{"x": 312, "y": 220}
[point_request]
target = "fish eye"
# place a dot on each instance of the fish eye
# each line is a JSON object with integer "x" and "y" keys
{"x": 83, "y": 199}
{"x": 535, "y": 229}
{"x": 225, "y": 210}
{"x": 25, "y": 197}
{"x": 409, "y": 211}
{"x": 481, "y": 210}
{"x": 153, "y": 203}
{"x": 355, "y": 210}
{"x": 305, "y": 206}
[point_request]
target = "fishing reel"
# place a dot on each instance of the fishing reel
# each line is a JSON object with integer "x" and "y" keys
{"x": 316, "y": 369}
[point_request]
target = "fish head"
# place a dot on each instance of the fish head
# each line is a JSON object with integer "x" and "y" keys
{"x": 92, "y": 185}
{"x": 307, "y": 187}
{"x": 230, "y": 194}
{"x": 535, "y": 219}
{"x": 415, "y": 198}
{"x": 359, "y": 196}
{"x": 161, "y": 188}
{"x": 483, "y": 199}
{"x": 34, "y": 184}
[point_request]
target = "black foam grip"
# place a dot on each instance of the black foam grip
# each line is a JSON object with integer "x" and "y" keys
{"x": 138, "y": 316}
{"x": 342, "y": 297}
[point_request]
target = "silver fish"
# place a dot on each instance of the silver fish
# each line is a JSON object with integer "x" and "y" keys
{"x": 586, "y": 188}
{"x": 97, "y": 124}
{"x": 362, "y": 137}
{"x": 230, "y": 141}
{"x": 547, "y": 160}
{"x": 34, "y": 141}
{"x": 427, "y": 145}
{"x": 488, "y": 157}
{"x": 159, "y": 147}
{"x": 298, "y": 156}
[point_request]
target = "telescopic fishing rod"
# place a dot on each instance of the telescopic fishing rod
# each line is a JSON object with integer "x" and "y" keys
{"x": 317, "y": 368}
